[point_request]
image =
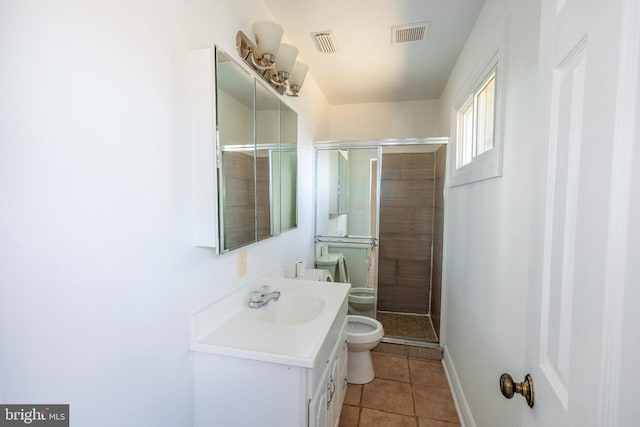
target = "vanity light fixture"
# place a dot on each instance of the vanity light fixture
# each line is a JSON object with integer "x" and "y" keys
{"x": 275, "y": 62}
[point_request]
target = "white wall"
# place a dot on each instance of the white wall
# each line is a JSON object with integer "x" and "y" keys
{"x": 487, "y": 227}
{"x": 386, "y": 120}
{"x": 98, "y": 275}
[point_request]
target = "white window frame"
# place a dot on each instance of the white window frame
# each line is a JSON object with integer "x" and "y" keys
{"x": 489, "y": 163}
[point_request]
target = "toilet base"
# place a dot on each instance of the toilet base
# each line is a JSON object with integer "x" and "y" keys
{"x": 360, "y": 367}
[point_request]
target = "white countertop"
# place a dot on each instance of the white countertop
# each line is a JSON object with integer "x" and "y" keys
{"x": 229, "y": 327}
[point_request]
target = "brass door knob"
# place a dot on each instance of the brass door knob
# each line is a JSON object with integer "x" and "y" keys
{"x": 525, "y": 388}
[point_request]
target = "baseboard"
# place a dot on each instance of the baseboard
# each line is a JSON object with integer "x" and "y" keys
{"x": 464, "y": 412}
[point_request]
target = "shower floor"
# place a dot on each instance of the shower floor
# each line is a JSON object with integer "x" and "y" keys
{"x": 407, "y": 326}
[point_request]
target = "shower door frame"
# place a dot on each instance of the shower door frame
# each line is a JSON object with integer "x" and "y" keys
{"x": 375, "y": 242}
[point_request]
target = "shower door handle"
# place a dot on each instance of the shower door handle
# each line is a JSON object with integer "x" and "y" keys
{"x": 525, "y": 388}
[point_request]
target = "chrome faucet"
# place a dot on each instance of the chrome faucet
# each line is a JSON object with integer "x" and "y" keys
{"x": 258, "y": 299}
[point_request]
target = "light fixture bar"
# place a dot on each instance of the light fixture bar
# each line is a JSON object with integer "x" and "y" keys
{"x": 278, "y": 73}
{"x": 246, "y": 49}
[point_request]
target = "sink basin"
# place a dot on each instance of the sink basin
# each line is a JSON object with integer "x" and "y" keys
{"x": 288, "y": 331}
{"x": 292, "y": 308}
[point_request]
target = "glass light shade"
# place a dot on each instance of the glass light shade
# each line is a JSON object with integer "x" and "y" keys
{"x": 286, "y": 57}
{"x": 297, "y": 75}
{"x": 268, "y": 35}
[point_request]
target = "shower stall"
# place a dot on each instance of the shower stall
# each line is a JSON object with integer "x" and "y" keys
{"x": 380, "y": 206}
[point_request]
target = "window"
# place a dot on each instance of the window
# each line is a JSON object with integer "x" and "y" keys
{"x": 476, "y": 123}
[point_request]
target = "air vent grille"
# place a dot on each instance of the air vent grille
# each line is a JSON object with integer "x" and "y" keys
{"x": 325, "y": 41}
{"x": 409, "y": 32}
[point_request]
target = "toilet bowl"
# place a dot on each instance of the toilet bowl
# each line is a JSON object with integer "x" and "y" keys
{"x": 363, "y": 334}
{"x": 362, "y": 301}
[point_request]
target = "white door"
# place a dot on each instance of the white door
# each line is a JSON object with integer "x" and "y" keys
{"x": 581, "y": 327}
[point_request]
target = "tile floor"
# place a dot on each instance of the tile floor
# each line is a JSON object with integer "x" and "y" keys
{"x": 404, "y": 325}
{"x": 407, "y": 392}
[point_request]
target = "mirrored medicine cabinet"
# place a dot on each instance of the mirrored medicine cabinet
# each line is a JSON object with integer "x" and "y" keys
{"x": 257, "y": 158}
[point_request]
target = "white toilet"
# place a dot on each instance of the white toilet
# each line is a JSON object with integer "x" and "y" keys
{"x": 363, "y": 334}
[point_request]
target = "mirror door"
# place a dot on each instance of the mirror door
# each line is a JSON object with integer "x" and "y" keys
{"x": 267, "y": 123}
{"x": 235, "y": 101}
{"x": 346, "y": 216}
{"x": 288, "y": 168}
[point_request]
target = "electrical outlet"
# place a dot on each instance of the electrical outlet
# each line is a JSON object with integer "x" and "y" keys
{"x": 242, "y": 263}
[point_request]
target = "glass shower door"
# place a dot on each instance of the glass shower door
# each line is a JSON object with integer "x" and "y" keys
{"x": 346, "y": 220}
{"x": 381, "y": 208}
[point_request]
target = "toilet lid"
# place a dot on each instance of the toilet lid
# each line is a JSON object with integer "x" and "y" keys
{"x": 342, "y": 269}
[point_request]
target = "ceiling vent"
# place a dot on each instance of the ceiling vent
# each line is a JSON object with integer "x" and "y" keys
{"x": 409, "y": 32}
{"x": 325, "y": 41}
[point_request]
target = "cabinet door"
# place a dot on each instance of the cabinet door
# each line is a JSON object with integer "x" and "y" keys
{"x": 337, "y": 379}
{"x": 326, "y": 404}
{"x": 341, "y": 382}
{"x": 319, "y": 403}
{"x": 335, "y": 405}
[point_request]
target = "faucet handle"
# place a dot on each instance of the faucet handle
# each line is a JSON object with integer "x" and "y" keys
{"x": 265, "y": 289}
{"x": 255, "y": 296}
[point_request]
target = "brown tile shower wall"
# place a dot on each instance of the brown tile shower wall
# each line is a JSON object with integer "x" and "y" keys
{"x": 438, "y": 229}
{"x": 406, "y": 232}
{"x": 263, "y": 200}
{"x": 239, "y": 199}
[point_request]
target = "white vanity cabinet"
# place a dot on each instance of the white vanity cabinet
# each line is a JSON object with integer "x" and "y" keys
{"x": 326, "y": 403}
{"x": 251, "y": 385}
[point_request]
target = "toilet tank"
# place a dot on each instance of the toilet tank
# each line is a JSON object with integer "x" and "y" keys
{"x": 328, "y": 262}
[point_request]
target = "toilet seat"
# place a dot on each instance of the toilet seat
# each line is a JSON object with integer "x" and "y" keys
{"x": 363, "y": 330}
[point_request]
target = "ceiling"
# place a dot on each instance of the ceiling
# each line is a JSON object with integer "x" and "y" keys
{"x": 367, "y": 67}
